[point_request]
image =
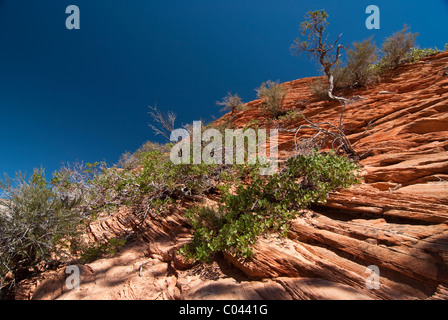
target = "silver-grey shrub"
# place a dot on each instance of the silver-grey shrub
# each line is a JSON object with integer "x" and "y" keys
{"x": 35, "y": 223}
{"x": 397, "y": 46}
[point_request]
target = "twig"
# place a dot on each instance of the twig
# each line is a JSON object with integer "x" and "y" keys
{"x": 363, "y": 134}
{"x": 395, "y": 188}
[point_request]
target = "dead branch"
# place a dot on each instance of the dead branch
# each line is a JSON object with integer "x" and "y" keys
{"x": 326, "y": 130}
{"x": 164, "y": 123}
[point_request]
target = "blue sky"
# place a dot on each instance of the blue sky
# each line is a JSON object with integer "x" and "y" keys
{"x": 68, "y": 95}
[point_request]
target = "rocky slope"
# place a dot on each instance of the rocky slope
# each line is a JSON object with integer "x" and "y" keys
{"x": 396, "y": 220}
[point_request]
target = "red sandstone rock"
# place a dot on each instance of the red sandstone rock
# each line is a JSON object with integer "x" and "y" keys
{"x": 397, "y": 219}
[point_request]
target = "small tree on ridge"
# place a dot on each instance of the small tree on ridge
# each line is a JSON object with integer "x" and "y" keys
{"x": 328, "y": 54}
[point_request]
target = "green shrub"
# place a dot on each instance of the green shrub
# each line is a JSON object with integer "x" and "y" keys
{"x": 265, "y": 203}
{"x": 415, "y": 54}
{"x": 36, "y": 224}
{"x": 100, "y": 250}
{"x": 272, "y": 94}
{"x": 254, "y": 124}
{"x": 132, "y": 161}
{"x": 292, "y": 115}
{"x": 161, "y": 176}
{"x": 397, "y": 46}
{"x": 96, "y": 186}
{"x": 380, "y": 66}
{"x": 358, "y": 70}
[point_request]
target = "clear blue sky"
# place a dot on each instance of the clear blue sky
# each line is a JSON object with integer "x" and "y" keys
{"x": 69, "y": 95}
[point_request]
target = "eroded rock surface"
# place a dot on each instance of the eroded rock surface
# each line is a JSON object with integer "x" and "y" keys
{"x": 396, "y": 220}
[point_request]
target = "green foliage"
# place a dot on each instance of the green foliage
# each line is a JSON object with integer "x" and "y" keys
{"x": 132, "y": 161}
{"x": 272, "y": 94}
{"x": 380, "y": 66}
{"x": 396, "y": 47}
{"x": 96, "y": 186}
{"x": 415, "y": 54}
{"x": 312, "y": 27}
{"x": 207, "y": 223}
{"x": 265, "y": 203}
{"x": 161, "y": 177}
{"x": 35, "y": 224}
{"x": 254, "y": 124}
{"x": 446, "y": 46}
{"x": 291, "y": 115}
{"x": 100, "y": 250}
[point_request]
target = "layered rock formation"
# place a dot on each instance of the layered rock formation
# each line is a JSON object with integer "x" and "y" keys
{"x": 395, "y": 220}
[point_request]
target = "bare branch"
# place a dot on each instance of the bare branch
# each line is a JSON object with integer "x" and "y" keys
{"x": 334, "y": 133}
{"x": 315, "y": 25}
{"x": 164, "y": 123}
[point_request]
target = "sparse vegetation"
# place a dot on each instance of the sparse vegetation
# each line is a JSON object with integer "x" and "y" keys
{"x": 36, "y": 225}
{"x": 100, "y": 250}
{"x": 328, "y": 54}
{"x": 40, "y": 221}
{"x": 266, "y": 203}
{"x": 130, "y": 161}
{"x": 232, "y": 103}
{"x": 272, "y": 94}
{"x": 358, "y": 70}
{"x": 397, "y": 46}
{"x": 319, "y": 89}
{"x": 254, "y": 123}
{"x": 292, "y": 115}
{"x": 362, "y": 67}
{"x": 415, "y": 54}
{"x": 163, "y": 124}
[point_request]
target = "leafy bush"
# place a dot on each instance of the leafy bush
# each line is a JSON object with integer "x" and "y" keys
{"x": 380, "y": 66}
{"x": 254, "y": 124}
{"x": 265, "y": 204}
{"x": 99, "y": 250}
{"x": 161, "y": 176}
{"x": 292, "y": 115}
{"x": 415, "y": 54}
{"x": 358, "y": 70}
{"x": 96, "y": 186}
{"x": 272, "y": 94}
{"x": 397, "y": 46}
{"x": 34, "y": 224}
{"x": 132, "y": 161}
